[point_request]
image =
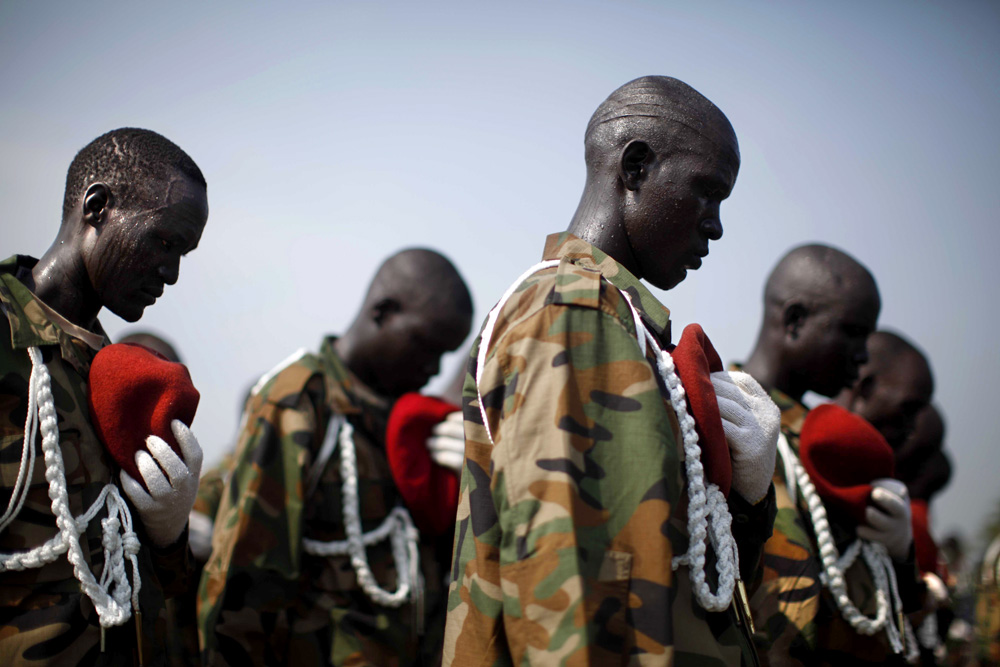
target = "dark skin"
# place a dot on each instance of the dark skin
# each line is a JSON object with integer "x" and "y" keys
{"x": 654, "y": 205}
{"x": 820, "y": 307}
{"x": 893, "y": 388}
{"x": 920, "y": 461}
{"x": 417, "y": 310}
{"x": 116, "y": 257}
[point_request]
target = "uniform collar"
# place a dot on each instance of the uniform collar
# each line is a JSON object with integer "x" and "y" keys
{"x": 566, "y": 246}
{"x": 346, "y": 392}
{"x": 30, "y": 326}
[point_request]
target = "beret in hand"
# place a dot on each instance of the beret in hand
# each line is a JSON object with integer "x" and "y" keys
{"x": 135, "y": 393}
{"x": 696, "y": 360}
{"x": 843, "y": 455}
{"x": 430, "y": 491}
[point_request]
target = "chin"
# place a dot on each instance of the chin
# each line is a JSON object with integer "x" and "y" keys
{"x": 128, "y": 313}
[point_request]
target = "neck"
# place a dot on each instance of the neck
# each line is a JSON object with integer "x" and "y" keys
{"x": 599, "y": 221}
{"x": 60, "y": 280}
{"x": 351, "y": 353}
{"x": 765, "y": 366}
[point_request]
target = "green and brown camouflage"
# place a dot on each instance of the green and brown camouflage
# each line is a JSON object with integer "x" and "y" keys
{"x": 45, "y": 619}
{"x": 263, "y": 599}
{"x": 797, "y": 620}
{"x": 987, "y": 612}
{"x": 569, "y": 521}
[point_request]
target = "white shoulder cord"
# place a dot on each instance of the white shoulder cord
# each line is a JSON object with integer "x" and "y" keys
{"x": 397, "y": 527}
{"x": 119, "y": 539}
{"x": 875, "y": 556}
{"x": 706, "y": 503}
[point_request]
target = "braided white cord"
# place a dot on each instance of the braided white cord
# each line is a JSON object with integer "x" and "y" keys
{"x": 397, "y": 527}
{"x": 112, "y": 607}
{"x": 927, "y": 633}
{"x": 20, "y": 491}
{"x": 709, "y": 519}
{"x": 875, "y": 556}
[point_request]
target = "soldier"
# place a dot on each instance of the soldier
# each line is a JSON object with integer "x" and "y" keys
{"x": 820, "y": 305}
{"x": 314, "y": 559}
{"x": 892, "y": 388}
{"x": 573, "y": 497}
{"x": 134, "y": 204}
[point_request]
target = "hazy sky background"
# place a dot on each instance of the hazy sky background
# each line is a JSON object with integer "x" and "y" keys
{"x": 332, "y": 134}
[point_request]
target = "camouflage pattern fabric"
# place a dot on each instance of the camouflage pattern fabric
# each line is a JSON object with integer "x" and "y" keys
{"x": 797, "y": 620}
{"x": 568, "y": 524}
{"x": 262, "y": 599}
{"x": 45, "y": 619}
{"x": 988, "y": 607}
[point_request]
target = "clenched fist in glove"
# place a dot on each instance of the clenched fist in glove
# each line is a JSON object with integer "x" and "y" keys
{"x": 446, "y": 443}
{"x": 888, "y": 518}
{"x": 751, "y": 421}
{"x": 164, "y": 508}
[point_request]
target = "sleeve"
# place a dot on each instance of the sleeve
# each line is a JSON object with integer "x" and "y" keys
{"x": 753, "y": 526}
{"x": 244, "y": 601}
{"x": 562, "y": 550}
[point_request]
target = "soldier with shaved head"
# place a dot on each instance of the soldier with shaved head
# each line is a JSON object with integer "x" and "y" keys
{"x": 315, "y": 560}
{"x": 574, "y": 542}
{"x": 820, "y": 309}
{"x": 892, "y": 388}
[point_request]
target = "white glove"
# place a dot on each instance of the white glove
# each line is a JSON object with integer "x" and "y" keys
{"x": 937, "y": 591}
{"x": 447, "y": 442}
{"x": 165, "y": 507}
{"x": 889, "y": 518}
{"x": 752, "y": 422}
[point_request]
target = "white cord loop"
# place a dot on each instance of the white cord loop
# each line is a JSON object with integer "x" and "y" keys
{"x": 875, "y": 557}
{"x": 113, "y": 593}
{"x": 398, "y": 528}
{"x": 709, "y": 520}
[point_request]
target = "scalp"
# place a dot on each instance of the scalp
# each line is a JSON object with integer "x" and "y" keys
{"x": 656, "y": 109}
{"x": 419, "y": 277}
{"x": 819, "y": 274}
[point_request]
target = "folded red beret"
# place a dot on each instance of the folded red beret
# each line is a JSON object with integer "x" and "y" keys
{"x": 135, "y": 393}
{"x": 696, "y": 360}
{"x": 843, "y": 455}
{"x": 429, "y": 490}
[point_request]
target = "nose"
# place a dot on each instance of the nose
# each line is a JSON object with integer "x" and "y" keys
{"x": 170, "y": 271}
{"x": 712, "y": 229}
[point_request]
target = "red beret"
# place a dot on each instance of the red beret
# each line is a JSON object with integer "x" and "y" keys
{"x": 429, "y": 490}
{"x": 843, "y": 455}
{"x": 135, "y": 393}
{"x": 923, "y": 543}
{"x": 696, "y": 359}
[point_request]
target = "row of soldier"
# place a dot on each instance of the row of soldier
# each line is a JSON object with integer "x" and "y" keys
{"x": 595, "y": 494}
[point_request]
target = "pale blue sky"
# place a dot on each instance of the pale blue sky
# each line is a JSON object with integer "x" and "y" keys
{"x": 332, "y": 134}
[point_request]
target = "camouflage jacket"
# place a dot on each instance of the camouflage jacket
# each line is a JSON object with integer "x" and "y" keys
{"x": 987, "y": 612}
{"x": 568, "y": 524}
{"x": 263, "y": 599}
{"x": 798, "y": 622}
{"x": 44, "y": 616}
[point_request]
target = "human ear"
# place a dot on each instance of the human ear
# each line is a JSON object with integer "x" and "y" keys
{"x": 96, "y": 200}
{"x": 793, "y": 317}
{"x": 384, "y": 309}
{"x": 632, "y": 166}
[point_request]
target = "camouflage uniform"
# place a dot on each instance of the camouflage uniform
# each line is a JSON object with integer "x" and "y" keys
{"x": 988, "y": 607}
{"x": 568, "y": 524}
{"x": 798, "y": 622}
{"x": 263, "y": 599}
{"x": 44, "y": 616}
